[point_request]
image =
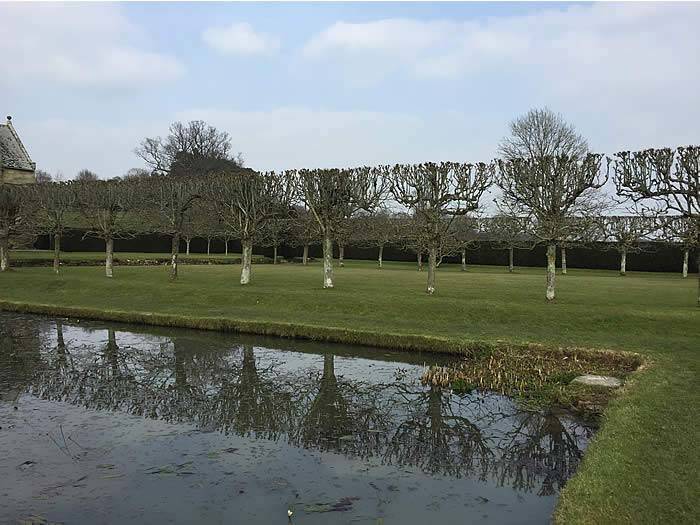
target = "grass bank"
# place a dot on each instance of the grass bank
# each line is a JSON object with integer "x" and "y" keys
{"x": 641, "y": 467}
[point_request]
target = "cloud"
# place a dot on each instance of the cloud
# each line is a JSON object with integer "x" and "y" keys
{"x": 638, "y": 50}
{"x": 240, "y": 38}
{"x": 79, "y": 46}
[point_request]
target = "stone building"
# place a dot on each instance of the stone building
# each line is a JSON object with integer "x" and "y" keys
{"x": 16, "y": 166}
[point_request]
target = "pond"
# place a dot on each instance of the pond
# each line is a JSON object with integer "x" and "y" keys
{"x": 113, "y": 423}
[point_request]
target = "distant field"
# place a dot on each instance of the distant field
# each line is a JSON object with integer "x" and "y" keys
{"x": 641, "y": 467}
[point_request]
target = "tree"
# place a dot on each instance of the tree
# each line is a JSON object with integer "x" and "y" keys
{"x": 86, "y": 175}
{"x": 379, "y": 229}
{"x": 192, "y": 149}
{"x": 435, "y": 194}
{"x": 683, "y": 232}
{"x": 16, "y": 209}
{"x": 510, "y": 232}
{"x": 668, "y": 178}
{"x": 539, "y": 134}
{"x": 205, "y": 222}
{"x": 42, "y": 176}
{"x": 553, "y": 191}
{"x": 172, "y": 198}
{"x": 55, "y": 201}
{"x": 465, "y": 234}
{"x": 626, "y": 233}
{"x": 108, "y": 207}
{"x": 275, "y": 232}
{"x": 304, "y": 230}
{"x": 332, "y": 196}
{"x": 245, "y": 200}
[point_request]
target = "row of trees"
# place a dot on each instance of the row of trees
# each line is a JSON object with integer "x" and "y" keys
{"x": 550, "y": 193}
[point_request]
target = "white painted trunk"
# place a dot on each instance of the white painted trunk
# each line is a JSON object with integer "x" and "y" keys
{"x": 341, "y": 255}
{"x": 274, "y": 254}
{"x": 432, "y": 264}
{"x": 187, "y": 250}
{"x": 174, "y": 252}
{"x": 464, "y": 260}
{"x": 4, "y": 255}
{"x": 327, "y": 262}
{"x": 563, "y": 260}
{"x": 381, "y": 255}
{"x": 305, "y": 256}
{"x": 226, "y": 248}
{"x": 551, "y": 270}
{"x": 57, "y": 253}
{"x": 109, "y": 258}
{"x": 247, "y": 248}
{"x": 510, "y": 260}
{"x": 623, "y": 262}
{"x": 685, "y": 263}
{"x": 208, "y": 246}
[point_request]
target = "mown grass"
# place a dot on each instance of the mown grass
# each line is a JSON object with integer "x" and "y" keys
{"x": 641, "y": 467}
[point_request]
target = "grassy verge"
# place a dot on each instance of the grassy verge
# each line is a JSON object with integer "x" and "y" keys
{"x": 642, "y": 466}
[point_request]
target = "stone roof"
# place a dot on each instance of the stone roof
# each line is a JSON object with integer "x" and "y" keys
{"x": 12, "y": 152}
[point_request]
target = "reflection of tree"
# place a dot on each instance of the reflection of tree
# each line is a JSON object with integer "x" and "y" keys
{"x": 327, "y": 418}
{"x": 248, "y": 401}
{"x": 540, "y": 449}
{"x": 19, "y": 355}
{"x": 437, "y": 438}
{"x": 238, "y": 391}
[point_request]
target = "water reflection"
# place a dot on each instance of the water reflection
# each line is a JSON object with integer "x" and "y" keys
{"x": 351, "y": 406}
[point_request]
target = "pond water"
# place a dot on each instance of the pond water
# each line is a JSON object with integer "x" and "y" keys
{"x": 112, "y": 423}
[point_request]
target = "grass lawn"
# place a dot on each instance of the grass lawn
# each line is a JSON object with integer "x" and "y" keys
{"x": 642, "y": 466}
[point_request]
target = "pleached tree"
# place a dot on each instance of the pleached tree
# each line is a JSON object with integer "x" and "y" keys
{"x": 665, "y": 179}
{"x": 16, "y": 219}
{"x": 334, "y": 195}
{"x": 435, "y": 194}
{"x": 108, "y": 206}
{"x": 245, "y": 200}
{"x": 55, "y": 205}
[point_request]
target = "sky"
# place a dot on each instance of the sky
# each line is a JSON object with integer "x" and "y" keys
{"x": 343, "y": 84}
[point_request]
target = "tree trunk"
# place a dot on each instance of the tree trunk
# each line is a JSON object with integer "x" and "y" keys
{"x": 464, "y": 260}
{"x": 187, "y": 243}
{"x": 510, "y": 260}
{"x": 208, "y": 245}
{"x": 698, "y": 265}
{"x": 381, "y": 255}
{"x": 551, "y": 270}
{"x": 247, "y": 246}
{"x": 341, "y": 255}
{"x": 56, "y": 252}
{"x": 327, "y": 261}
{"x": 4, "y": 254}
{"x": 226, "y": 248}
{"x": 174, "y": 252}
{"x": 563, "y": 260}
{"x": 109, "y": 260}
{"x": 420, "y": 261}
{"x": 685, "y": 263}
{"x": 432, "y": 264}
{"x": 305, "y": 256}
{"x": 623, "y": 262}
{"x": 274, "y": 254}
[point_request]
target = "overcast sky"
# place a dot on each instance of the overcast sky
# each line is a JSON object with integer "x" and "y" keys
{"x": 302, "y": 85}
